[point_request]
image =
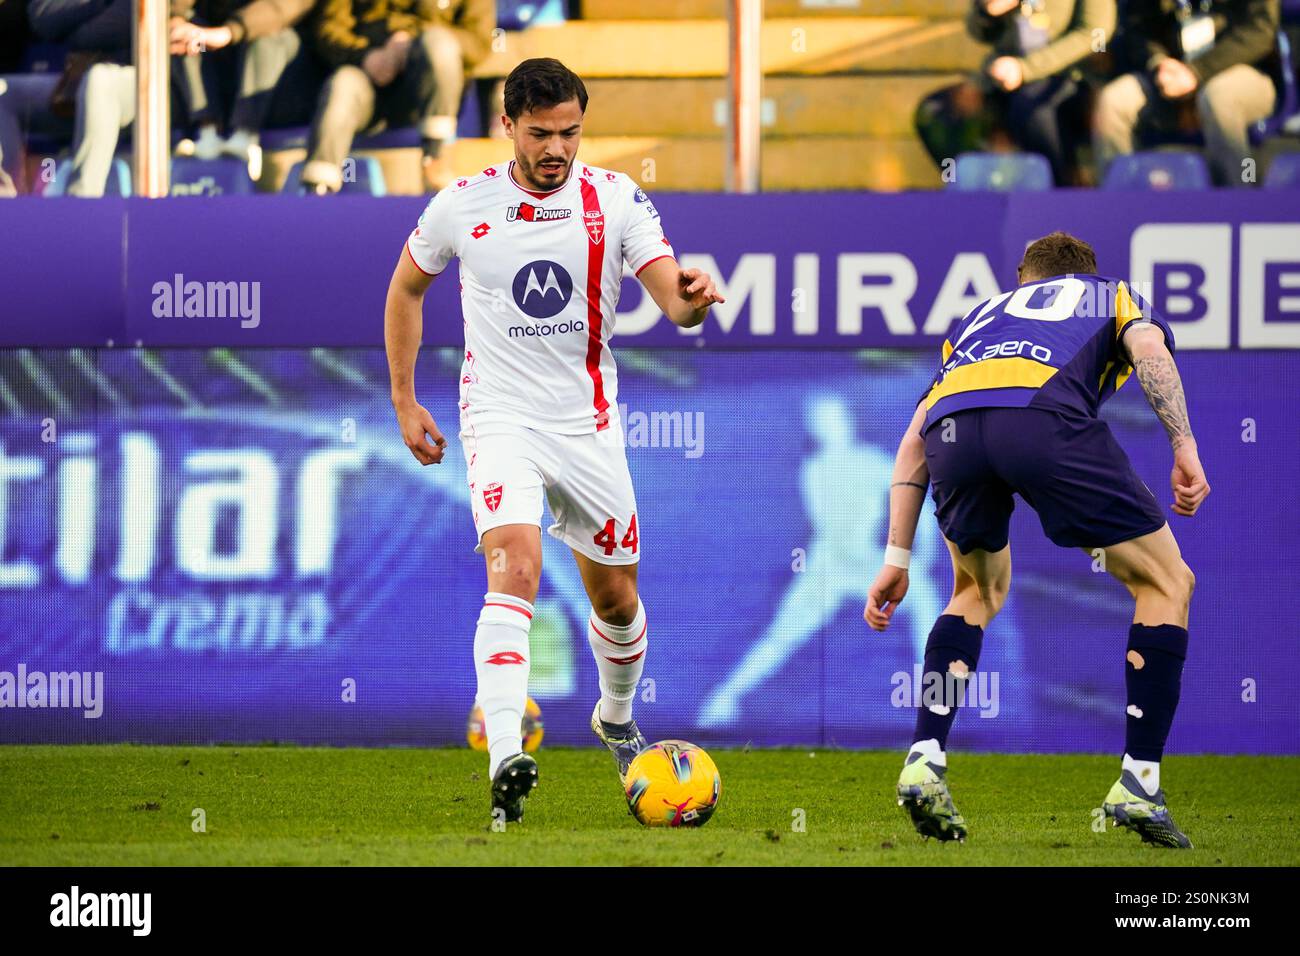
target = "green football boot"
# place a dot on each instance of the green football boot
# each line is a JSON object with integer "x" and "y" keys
{"x": 624, "y": 741}
{"x": 1129, "y": 806}
{"x": 923, "y": 793}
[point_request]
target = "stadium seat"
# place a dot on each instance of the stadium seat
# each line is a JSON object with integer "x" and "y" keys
{"x": 1288, "y": 100}
{"x": 1155, "y": 170}
{"x": 119, "y": 178}
{"x": 1284, "y": 173}
{"x": 518, "y": 14}
{"x": 42, "y": 57}
{"x": 1002, "y": 172}
{"x": 226, "y": 176}
{"x": 468, "y": 124}
{"x": 367, "y": 177}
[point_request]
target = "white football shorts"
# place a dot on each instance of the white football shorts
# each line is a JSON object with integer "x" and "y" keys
{"x": 584, "y": 478}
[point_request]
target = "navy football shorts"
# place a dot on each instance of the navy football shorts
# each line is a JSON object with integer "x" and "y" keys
{"x": 1068, "y": 468}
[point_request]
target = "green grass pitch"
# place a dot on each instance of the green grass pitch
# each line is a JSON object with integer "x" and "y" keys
{"x": 135, "y": 805}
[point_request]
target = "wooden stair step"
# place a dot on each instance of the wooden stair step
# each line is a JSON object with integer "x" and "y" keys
{"x": 685, "y": 164}
{"x": 814, "y": 46}
{"x": 799, "y": 106}
{"x": 718, "y": 9}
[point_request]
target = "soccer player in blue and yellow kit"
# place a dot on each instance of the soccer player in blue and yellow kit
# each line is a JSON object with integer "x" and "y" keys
{"x": 1013, "y": 410}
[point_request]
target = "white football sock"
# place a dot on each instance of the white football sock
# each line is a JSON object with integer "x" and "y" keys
{"x": 929, "y": 749}
{"x": 620, "y": 659}
{"x": 1146, "y": 771}
{"x": 501, "y": 656}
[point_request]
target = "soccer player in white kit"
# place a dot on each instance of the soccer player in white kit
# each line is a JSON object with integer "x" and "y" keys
{"x": 542, "y": 241}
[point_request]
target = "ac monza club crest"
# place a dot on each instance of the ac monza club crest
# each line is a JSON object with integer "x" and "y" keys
{"x": 594, "y": 219}
{"x": 492, "y": 496}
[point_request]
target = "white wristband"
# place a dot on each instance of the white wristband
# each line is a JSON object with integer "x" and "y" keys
{"x": 897, "y": 557}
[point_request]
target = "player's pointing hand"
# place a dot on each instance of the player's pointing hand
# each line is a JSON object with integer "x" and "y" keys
{"x": 421, "y": 434}
{"x": 697, "y": 288}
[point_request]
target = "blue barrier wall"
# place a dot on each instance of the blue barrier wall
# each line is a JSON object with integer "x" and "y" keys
{"x": 222, "y": 520}
{"x": 231, "y": 536}
{"x": 841, "y": 270}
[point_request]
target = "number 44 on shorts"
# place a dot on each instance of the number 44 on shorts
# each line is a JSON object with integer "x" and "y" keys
{"x": 605, "y": 537}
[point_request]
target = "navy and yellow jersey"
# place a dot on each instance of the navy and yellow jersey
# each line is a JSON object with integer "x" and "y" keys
{"x": 1053, "y": 344}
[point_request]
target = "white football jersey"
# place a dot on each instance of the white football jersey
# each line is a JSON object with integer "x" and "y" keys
{"x": 539, "y": 281}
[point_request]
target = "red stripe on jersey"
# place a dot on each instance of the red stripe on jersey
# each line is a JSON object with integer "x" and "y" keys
{"x": 416, "y": 264}
{"x": 595, "y": 263}
{"x": 654, "y": 260}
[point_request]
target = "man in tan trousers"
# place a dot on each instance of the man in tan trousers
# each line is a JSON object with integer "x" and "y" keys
{"x": 1215, "y": 52}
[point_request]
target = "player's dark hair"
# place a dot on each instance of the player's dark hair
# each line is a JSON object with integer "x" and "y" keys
{"x": 541, "y": 83}
{"x": 1057, "y": 254}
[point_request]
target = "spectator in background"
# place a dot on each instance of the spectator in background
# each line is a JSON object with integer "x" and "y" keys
{"x": 250, "y": 55}
{"x": 97, "y": 34}
{"x": 13, "y": 34}
{"x": 396, "y": 63}
{"x": 1028, "y": 85}
{"x": 17, "y": 102}
{"x": 1216, "y": 53}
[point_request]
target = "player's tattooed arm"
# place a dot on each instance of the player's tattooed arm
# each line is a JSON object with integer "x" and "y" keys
{"x": 1159, "y": 378}
{"x": 1164, "y": 390}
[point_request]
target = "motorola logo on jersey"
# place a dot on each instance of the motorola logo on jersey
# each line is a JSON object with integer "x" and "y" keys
{"x": 542, "y": 289}
{"x": 532, "y": 331}
{"x": 527, "y": 212}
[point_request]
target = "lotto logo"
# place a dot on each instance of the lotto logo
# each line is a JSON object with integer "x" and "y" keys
{"x": 481, "y": 230}
{"x": 506, "y": 657}
{"x": 492, "y": 496}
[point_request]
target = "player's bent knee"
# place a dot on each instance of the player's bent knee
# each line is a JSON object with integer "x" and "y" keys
{"x": 520, "y": 575}
{"x": 616, "y": 606}
{"x": 993, "y": 599}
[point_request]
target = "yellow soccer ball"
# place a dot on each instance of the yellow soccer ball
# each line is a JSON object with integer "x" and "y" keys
{"x": 476, "y": 729}
{"x": 673, "y": 784}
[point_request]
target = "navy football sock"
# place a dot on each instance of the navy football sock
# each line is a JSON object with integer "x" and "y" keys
{"x": 951, "y": 639}
{"x": 1153, "y": 673}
